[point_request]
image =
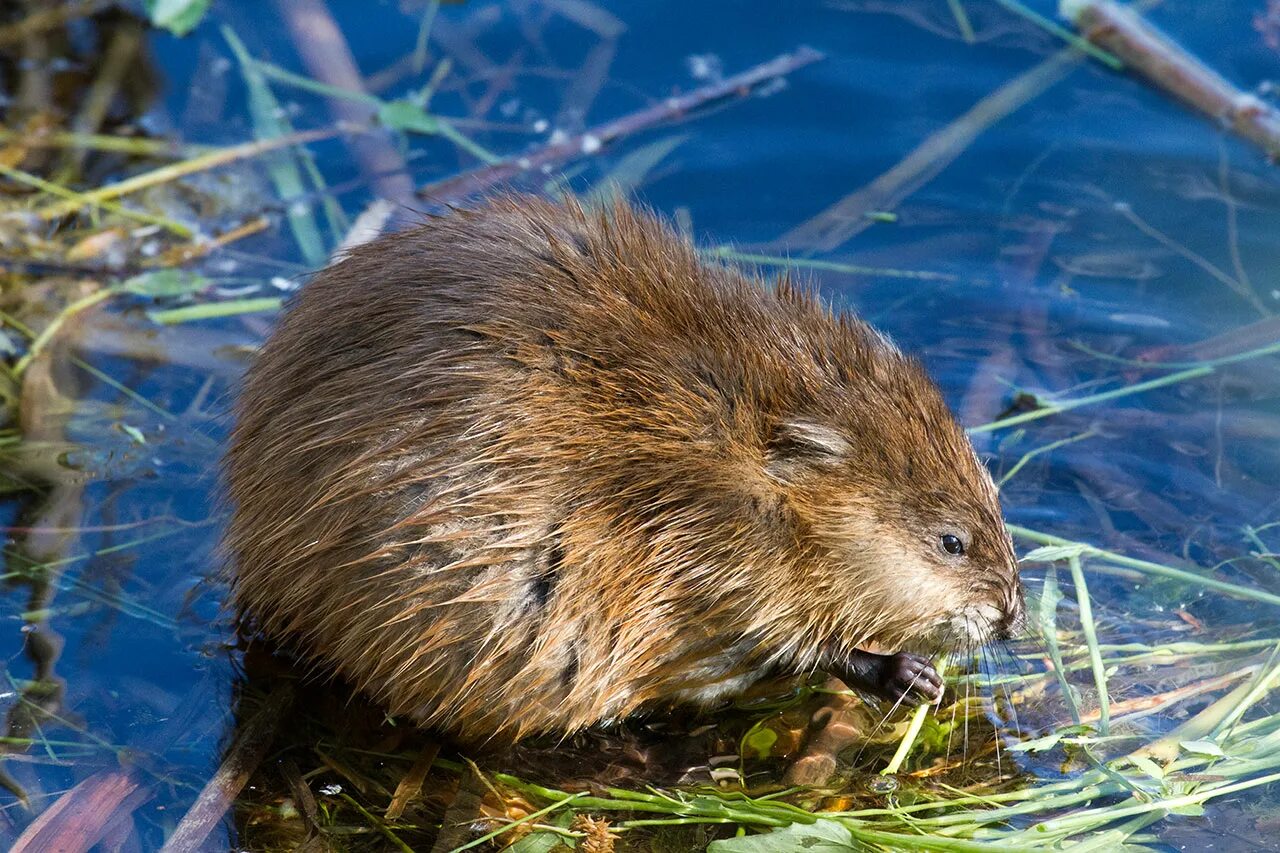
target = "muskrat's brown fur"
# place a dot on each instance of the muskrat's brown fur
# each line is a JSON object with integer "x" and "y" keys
{"x": 526, "y": 468}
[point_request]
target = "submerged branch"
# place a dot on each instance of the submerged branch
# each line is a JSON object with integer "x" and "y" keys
{"x": 1141, "y": 46}
{"x": 597, "y": 138}
{"x": 242, "y": 757}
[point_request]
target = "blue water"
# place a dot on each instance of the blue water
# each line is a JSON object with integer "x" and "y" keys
{"x": 1033, "y": 265}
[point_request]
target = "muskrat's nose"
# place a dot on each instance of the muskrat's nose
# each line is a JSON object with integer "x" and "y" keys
{"x": 1014, "y": 618}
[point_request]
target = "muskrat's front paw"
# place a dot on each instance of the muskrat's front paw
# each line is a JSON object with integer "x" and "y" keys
{"x": 906, "y": 677}
{"x": 900, "y": 677}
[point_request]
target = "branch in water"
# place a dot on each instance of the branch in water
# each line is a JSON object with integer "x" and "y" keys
{"x": 595, "y": 139}
{"x": 1143, "y": 48}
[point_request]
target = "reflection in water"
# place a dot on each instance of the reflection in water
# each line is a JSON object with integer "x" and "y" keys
{"x": 1046, "y": 244}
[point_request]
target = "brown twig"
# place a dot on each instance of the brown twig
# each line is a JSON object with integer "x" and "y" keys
{"x": 411, "y": 785}
{"x": 846, "y": 218}
{"x": 302, "y": 796}
{"x": 243, "y": 757}
{"x": 587, "y": 143}
{"x": 1143, "y": 48}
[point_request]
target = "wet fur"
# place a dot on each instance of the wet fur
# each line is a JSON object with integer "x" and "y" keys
{"x": 526, "y": 468}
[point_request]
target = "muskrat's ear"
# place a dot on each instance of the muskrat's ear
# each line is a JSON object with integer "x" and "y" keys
{"x": 796, "y": 445}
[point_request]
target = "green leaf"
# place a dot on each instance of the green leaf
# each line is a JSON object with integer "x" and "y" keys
{"x": 761, "y": 741}
{"x": 407, "y": 117}
{"x": 1070, "y": 734}
{"x": 177, "y": 16}
{"x": 1146, "y": 765}
{"x": 1203, "y": 747}
{"x": 1054, "y": 553}
{"x": 538, "y": 842}
{"x": 824, "y": 836}
{"x": 167, "y": 282}
{"x": 268, "y": 123}
{"x": 1040, "y": 744}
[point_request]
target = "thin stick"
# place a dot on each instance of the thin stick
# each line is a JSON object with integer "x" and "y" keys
{"x": 246, "y": 752}
{"x": 1047, "y": 448}
{"x": 46, "y": 334}
{"x": 140, "y": 146}
{"x": 599, "y": 137}
{"x": 379, "y": 825}
{"x": 841, "y": 221}
{"x": 1202, "y": 369}
{"x": 1059, "y": 406}
{"x": 506, "y": 827}
{"x": 1237, "y": 286}
{"x": 1066, "y": 35}
{"x": 728, "y": 253}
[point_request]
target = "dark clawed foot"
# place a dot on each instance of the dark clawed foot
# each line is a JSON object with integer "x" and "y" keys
{"x": 910, "y": 678}
{"x": 900, "y": 677}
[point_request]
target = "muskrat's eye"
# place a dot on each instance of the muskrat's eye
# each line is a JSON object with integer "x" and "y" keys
{"x": 952, "y": 544}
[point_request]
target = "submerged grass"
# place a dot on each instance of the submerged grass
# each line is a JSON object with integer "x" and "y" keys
{"x": 283, "y": 165}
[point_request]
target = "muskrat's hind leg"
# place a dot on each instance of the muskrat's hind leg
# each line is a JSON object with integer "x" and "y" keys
{"x": 900, "y": 677}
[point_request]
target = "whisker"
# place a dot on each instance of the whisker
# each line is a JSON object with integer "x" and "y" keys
{"x": 1008, "y": 690}
{"x": 968, "y": 690}
{"x": 994, "y": 715}
{"x": 955, "y": 704}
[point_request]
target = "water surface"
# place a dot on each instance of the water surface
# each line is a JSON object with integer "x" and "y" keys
{"x": 1098, "y": 224}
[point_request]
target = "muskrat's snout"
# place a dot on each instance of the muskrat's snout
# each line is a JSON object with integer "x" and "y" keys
{"x": 1013, "y": 607}
{"x": 1014, "y": 620}
{"x": 992, "y": 610}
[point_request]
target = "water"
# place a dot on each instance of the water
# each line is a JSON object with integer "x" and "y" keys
{"x": 1100, "y": 220}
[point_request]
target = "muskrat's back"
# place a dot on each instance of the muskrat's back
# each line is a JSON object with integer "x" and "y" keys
{"x": 526, "y": 468}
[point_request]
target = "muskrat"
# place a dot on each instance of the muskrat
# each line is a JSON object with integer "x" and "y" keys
{"x": 526, "y": 468}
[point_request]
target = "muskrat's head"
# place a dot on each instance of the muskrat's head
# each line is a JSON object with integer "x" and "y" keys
{"x": 908, "y": 547}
